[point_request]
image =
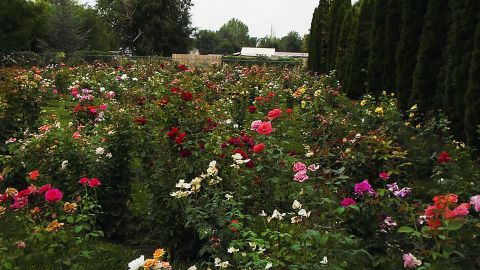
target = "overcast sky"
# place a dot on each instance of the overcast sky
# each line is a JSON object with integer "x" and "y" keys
{"x": 259, "y": 15}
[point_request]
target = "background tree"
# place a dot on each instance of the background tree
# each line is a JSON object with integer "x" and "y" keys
{"x": 65, "y": 28}
{"x": 392, "y": 37}
{"x": 292, "y": 42}
{"x": 269, "y": 42}
{"x": 344, "y": 41}
{"x": 472, "y": 97}
{"x": 463, "y": 18}
{"x": 155, "y": 27}
{"x": 22, "y": 24}
{"x": 337, "y": 12}
{"x": 234, "y": 32}
{"x": 206, "y": 41}
{"x": 318, "y": 47}
{"x": 430, "y": 55}
{"x": 412, "y": 18}
{"x": 100, "y": 35}
{"x": 377, "y": 47}
{"x": 356, "y": 84}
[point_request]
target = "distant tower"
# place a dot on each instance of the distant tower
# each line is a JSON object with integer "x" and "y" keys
{"x": 272, "y": 32}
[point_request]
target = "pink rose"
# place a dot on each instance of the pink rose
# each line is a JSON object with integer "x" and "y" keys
{"x": 264, "y": 128}
{"x": 103, "y": 107}
{"x": 384, "y": 175}
{"x": 299, "y": 166}
{"x": 53, "y": 195}
{"x": 255, "y": 124}
{"x": 409, "y": 261}
{"x": 462, "y": 210}
{"x": 475, "y": 201}
{"x": 301, "y": 176}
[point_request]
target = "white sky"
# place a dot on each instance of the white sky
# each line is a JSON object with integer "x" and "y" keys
{"x": 259, "y": 15}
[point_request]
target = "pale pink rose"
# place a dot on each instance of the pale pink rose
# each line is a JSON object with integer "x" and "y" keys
{"x": 475, "y": 201}
{"x": 301, "y": 176}
{"x": 299, "y": 166}
{"x": 255, "y": 124}
{"x": 409, "y": 261}
{"x": 313, "y": 167}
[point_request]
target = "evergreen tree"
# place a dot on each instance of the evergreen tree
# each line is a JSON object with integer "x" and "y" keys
{"x": 472, "y": 97}
{"x": 318, "y": 48}
{"x": 342, "y": 56}
{"x": 392, "y": 36}
{"x": 430, "y": 57}
{"x": 413, "y": 13}
{"x": 463, "y": 17}
{"x": 357, "y": 70}
{"x": 377, "y": 48}
{"x": 66, "y": 30}
{"x": 337, "y": 12}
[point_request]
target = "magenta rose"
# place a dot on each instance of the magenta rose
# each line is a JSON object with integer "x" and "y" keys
{"x": 53, "y": 195}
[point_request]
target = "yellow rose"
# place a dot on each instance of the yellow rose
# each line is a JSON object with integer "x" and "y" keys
{"x": 379, "y": 110}
{"x": 70, "y": 207}
{"x": 158, "y": 253}
{"x": 2, "y": 210}
{"x": 363, "y": 103}
{"x": 54, "y": 226}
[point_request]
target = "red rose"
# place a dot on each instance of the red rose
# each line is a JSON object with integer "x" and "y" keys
{"x": 94, "y": 182}
{"x": 187, "y": 96}
{"x": 83, "y": 181}
{"x": 182, "y": 68}
{"x": 44, "y": 188}
{"x": 141, "y": 121}
{"x": 259, "y": 148}
{"x": 274, "y": 113}
{"x": 173, "y": 132}
{"x": 444, "y": 157}
{"x": 34, "y": 175}
{"x": 252, "y": 109}
{"x": 180, "y": 138}
{"x": 264, "y": 128}
{"x": 289, "y": 111}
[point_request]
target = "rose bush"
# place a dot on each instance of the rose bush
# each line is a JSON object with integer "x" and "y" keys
{"x": 230, "y": 167}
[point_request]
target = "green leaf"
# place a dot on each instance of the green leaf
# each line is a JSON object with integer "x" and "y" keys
{"x": 70, "y": 219}
{"x": 455, "y": 225}
{"x": 405, "y": 229}
{"x": 78, "y": 229}
{"x": 340, "y": 210}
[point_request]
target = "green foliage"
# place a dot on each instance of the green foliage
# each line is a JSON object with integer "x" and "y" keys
{"x": 460, "y": 44}
{"x": 150, "y": 27}
{"x": 317, "y": 60}
{"x": 472, "y": 97}
{"x": 377, "y": 47}
{"x": 392, "y": 37}
{"x": 406, "y": 57}
{"x": 22, "y": 24}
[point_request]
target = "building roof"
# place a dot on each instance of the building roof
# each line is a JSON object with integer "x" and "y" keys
{"x": 291, "y": 54}
{"x": 249, "y": 51}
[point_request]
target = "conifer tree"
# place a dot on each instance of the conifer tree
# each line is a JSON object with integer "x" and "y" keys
{"x": 472, "y": 97}
{"x": 341, "y": 61}
{"x": 430, "y": 59}
{"x": 412, "y": 19}
{"x": 337, "y": 12}
{"x": 392, "y": 37}
{"x": 318, "y": 49}
{"x": 357, "y": 70}
{"x": 463, "y": 17}
{"x": 377, "y": 48}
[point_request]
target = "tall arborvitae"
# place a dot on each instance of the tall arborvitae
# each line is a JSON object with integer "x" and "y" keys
{"x": 392, "y": 36}
{"x": 377, "y": 49}
{"x": 318, "y": 49}
{"x": 413, "y": 13}
{"x": 357, "y": 71}
{"x": 343, "y": 44}
{"x": 338, "y": 9}
{"x": 472, "y": 97}
{"x": 313, "y": 50}
{"x": 430, "y": 57}
{"x": 463, "y": 17}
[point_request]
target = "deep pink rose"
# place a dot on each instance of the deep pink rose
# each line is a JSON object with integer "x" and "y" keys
{"x": 53, "y": 195}
{"x": 94, "y": 182}
{"x": 346, "y": 202}
{"x": 83, "y": 181}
